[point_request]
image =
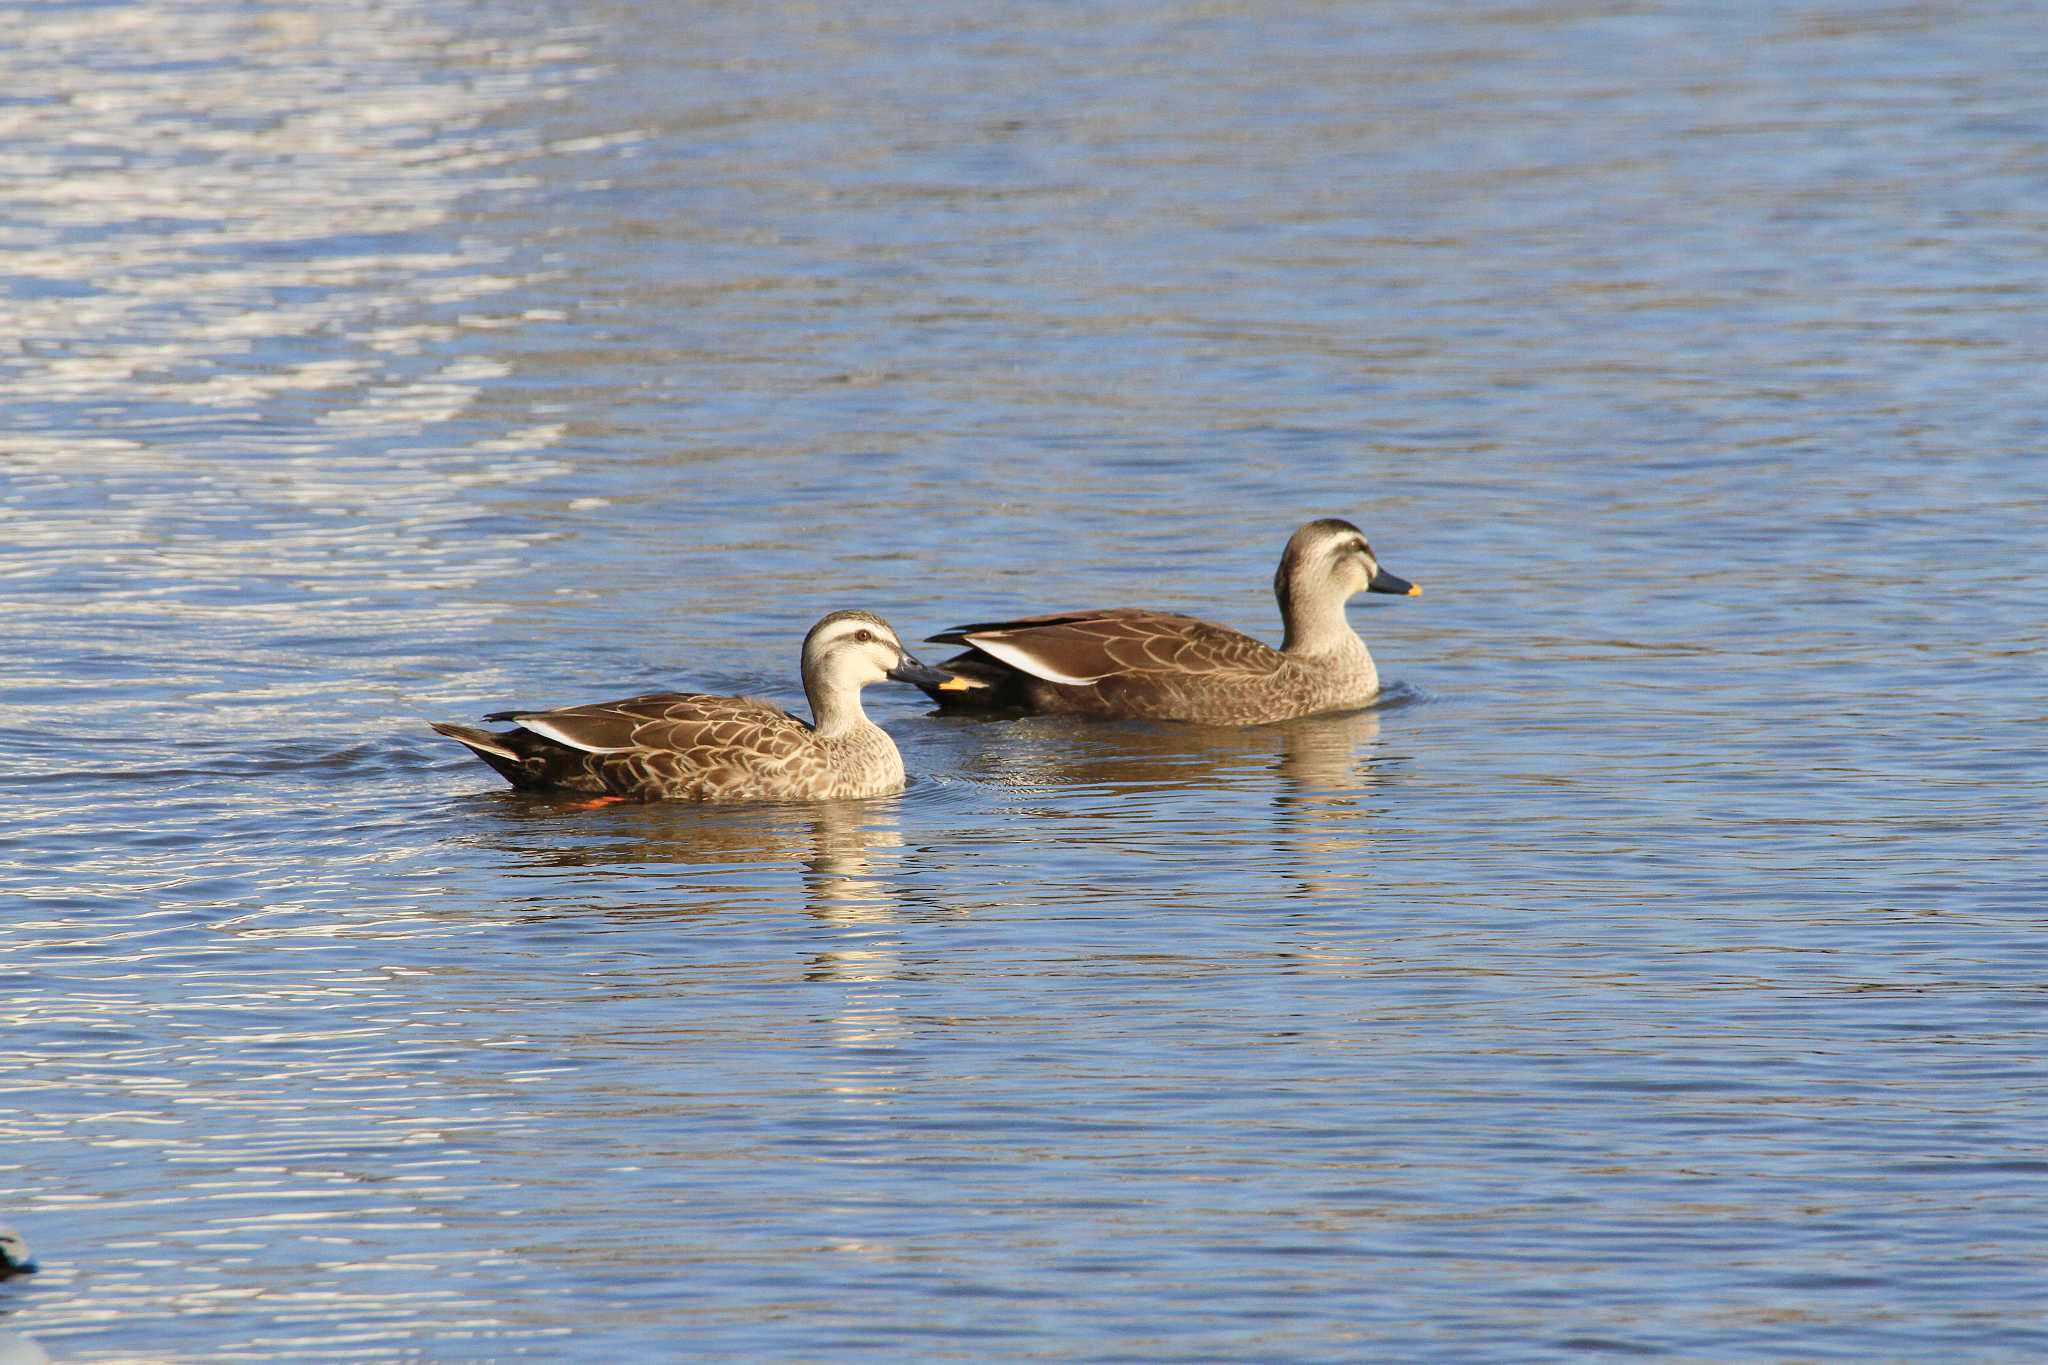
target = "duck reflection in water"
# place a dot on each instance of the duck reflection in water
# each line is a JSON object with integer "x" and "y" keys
{"x": 847, "y": 850}
{"x": 1317, "y": 773}
{"x": 733, "y": 862}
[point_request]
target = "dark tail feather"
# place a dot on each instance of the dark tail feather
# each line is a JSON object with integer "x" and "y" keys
{"x": 957, "y": 635}
{"x": 493, "y": 749}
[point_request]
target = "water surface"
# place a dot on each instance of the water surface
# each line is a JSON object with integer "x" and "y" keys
{"x": 1655, "y": 972}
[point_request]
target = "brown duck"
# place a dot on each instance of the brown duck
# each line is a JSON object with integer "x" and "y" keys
{"x": 1130, "y": 662}
{"x": 694, "y": 747}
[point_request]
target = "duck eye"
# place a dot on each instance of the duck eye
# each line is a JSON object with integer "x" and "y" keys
{"x": 864, "y": 635}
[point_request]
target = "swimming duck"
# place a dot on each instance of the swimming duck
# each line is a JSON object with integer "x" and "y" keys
{"x": 14, "y": 1257}
{"x": 1129, "y": 662}
{"x": 695, "y": 747}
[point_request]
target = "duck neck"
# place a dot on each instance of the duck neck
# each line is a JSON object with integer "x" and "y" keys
{"x": 1314, "y": 623}
{"x": 835, "y": 706}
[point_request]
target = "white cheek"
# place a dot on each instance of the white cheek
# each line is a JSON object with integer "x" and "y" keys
{"x": 868, "y": 663}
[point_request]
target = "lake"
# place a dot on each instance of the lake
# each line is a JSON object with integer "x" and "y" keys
{"x": 1657, "y": 971}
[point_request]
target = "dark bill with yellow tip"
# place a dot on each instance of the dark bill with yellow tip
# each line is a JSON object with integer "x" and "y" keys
{"x": 1382, "y": 581}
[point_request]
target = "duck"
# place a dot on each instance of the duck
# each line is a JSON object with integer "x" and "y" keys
{"x": 697, "y": 747}
{"x": 1133, "y": 663}
{"x": 14, "y": 1257}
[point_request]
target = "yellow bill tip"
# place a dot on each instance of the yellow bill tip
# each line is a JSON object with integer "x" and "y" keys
{"x": 1415, "y": 590}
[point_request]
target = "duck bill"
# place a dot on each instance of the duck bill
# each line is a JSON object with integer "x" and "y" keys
{"x": 1382, "y": 581}
{"x": 909, "y": 670}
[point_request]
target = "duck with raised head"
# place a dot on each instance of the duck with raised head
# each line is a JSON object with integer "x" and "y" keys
{"x": 1134, "y": 663}
{"x": 695, "y": 747}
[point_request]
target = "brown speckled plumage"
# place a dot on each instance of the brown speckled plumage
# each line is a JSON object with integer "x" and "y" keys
{"x": 1134, "y": 663}
{"x": 697, "y": 747}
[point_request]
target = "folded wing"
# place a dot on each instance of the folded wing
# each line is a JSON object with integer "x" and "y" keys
{"x": 1081, "y": 648}
{"x": 673, "y": 721}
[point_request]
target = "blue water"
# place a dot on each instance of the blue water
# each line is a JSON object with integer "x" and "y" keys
{"x": 1656, "y": 972}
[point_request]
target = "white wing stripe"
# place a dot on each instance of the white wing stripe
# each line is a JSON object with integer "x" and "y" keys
{"x": 1020, "y": 658}
{"x": 547, "y": 729}
{"x": 500, "y": 750}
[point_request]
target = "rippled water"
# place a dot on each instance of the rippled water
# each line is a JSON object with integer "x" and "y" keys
{"x": 1656, "y": 972}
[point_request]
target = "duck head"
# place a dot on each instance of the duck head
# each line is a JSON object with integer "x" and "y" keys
{"x": 1325, "y": 564}
{"x": 850, "y": 649}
